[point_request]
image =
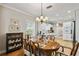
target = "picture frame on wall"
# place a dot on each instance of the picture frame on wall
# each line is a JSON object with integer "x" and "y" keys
{"x": 14, "y": 25}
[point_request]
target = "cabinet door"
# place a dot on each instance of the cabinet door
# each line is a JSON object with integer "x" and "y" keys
{"x": 68, "y": 30}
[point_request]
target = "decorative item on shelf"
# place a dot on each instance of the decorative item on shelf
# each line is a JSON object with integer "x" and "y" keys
{"x": 20, "y": 44}
{"x": 12, "y": 47}
{"x": 51, "y": 30}
{"x": 17, "y": 45}
{"x": 16, "y": 40}
{"x": 42, "y": 18}
{"x": 19, "y": 40}
{"x": 60, "y": 24}
{"x": 11, "y": 41}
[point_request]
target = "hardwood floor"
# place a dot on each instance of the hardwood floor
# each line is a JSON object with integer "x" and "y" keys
{"x": 19, "y": 52}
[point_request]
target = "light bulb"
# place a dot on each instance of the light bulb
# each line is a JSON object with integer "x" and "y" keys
{"x": 57, "y": 24}
{"x": 41, "y": 17}
{"x": 16, "y": 24}
{"x": 46, "y": 18}
{"x": 37, "y": 19}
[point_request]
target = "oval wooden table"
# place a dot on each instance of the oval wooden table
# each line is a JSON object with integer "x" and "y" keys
{"x": 49, "y": 48}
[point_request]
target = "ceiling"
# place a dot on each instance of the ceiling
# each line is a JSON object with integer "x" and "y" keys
{"x": 58, "y": 11}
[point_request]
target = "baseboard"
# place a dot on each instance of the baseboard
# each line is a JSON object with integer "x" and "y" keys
{"x": 68, "y": 40}
{"x": 2, "y": 52}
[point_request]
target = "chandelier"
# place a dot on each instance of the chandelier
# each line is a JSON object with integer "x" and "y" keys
{"x": 41, "y": 18}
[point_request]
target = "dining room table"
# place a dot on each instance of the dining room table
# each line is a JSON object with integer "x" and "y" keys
{"x": 48, "y": 48}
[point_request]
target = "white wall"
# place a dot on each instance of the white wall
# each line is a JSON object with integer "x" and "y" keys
{"x": 5, "y": 17}
{"x": 0, "y": 28}
{"x": 77, "y": 25}
{"x": 77, "y": 29}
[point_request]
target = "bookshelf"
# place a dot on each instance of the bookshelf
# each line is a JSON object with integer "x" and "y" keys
{"x": 14, "y": 41}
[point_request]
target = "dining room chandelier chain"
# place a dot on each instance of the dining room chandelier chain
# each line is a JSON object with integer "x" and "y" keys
{"x": 41, "y": 10}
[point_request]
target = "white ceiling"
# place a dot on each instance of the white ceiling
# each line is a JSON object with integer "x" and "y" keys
{"x": 59, "y": 11}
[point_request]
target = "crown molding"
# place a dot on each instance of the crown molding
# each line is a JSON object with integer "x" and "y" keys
{"x": 17, "y": 10}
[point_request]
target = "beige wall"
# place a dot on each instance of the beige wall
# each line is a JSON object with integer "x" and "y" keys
{"x": 0, "y": 27}
{"x": 5, "y": 15}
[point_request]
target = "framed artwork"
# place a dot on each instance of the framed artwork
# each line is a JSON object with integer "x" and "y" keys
{"x": 11, "y": 28}
{"x": 14, "y": 25}
{"x": 14, "y": 21}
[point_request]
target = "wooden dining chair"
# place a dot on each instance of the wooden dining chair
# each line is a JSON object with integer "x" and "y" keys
{"x": 72, "y": 53}
{"x": 27, "y": 47}
{"x": 35, "y": 49}
{"x": 32, "y": 48}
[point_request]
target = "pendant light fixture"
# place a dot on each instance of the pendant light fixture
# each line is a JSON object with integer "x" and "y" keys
{"x": 41, "y": 18}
